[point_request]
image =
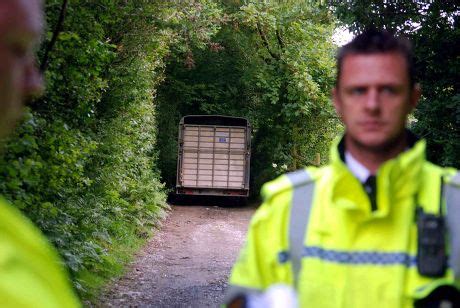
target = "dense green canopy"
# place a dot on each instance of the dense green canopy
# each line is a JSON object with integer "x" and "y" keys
{"x": 89, "y": 162}
{"x": 272, "y": 62}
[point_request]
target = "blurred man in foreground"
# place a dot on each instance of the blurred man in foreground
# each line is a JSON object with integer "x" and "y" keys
{"x": 31, "y": 274}
{"x": 378, "y": 226}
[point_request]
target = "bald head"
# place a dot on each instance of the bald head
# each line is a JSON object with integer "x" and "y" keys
{"x": 21, "y": 26}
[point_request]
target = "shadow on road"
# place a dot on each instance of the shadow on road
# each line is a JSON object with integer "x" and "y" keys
{"x": 191, "y": 200}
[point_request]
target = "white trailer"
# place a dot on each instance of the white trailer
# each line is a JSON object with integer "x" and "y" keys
{"x": 213, "y": 156}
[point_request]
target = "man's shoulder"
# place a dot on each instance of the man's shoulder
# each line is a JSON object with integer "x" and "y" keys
{"x": 28, "y": 258}
{"x": 450, "y": 175}
{"x": 286, "y": 183}
{"x": 23, "y": 239}
{"x": 277, "y": 193}
{"x": 15, "y": 225}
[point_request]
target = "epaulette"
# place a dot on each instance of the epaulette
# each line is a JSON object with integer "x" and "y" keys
{"x": 285, "y": 182}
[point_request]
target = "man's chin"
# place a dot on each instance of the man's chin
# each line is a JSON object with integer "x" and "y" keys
{"x": 375, "y": 142}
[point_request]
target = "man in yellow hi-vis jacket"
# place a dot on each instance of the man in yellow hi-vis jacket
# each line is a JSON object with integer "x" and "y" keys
{"x": 379, "y": 225}
{"x": 31, "y": 274}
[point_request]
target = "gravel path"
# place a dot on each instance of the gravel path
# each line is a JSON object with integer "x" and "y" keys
{"x": 187, "y": 262}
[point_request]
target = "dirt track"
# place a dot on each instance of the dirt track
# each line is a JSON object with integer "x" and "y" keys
{"x": 188, "y": 261}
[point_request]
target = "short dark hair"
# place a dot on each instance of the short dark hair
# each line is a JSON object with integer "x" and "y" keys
{"x": 373, "y": 41}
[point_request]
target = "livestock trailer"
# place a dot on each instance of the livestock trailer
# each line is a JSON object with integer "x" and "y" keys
{"x": 213, "y": 156}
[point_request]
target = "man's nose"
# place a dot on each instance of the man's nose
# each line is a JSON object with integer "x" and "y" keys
{"x": 33, "y": 80}
{"x": 372, "y": 102}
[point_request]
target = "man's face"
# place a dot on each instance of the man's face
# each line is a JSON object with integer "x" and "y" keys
{"x": 373, "y": 98}
{"x": 21, "y": 24}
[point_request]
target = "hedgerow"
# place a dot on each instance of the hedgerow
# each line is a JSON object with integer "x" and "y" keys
{"x": 83, "y": 164}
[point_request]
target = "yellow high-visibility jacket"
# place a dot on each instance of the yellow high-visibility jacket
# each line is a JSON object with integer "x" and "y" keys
{"x": 31, "y": 274}
{"x": 351, "y": 256}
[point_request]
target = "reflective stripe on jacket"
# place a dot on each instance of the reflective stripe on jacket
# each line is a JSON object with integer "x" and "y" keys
{"x": 351, "y": 256}
{"x": 30, "y": 272}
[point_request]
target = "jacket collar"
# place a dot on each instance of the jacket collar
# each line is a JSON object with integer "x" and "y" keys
{"x": 397, "y": 178}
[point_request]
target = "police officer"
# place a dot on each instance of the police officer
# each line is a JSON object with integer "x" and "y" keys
{"x": 377, "y": 226}
{"x": 31, "y": 274}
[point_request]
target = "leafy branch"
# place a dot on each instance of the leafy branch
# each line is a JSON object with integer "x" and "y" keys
{"x": 265, "y": 42}
{"x": 57, "y": 30}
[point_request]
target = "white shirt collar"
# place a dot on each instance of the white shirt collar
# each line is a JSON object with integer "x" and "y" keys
{"x": 358, "y": 170}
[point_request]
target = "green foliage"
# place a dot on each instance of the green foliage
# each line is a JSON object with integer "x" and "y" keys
{"x": 433, "y": 27}
{"x": 44, "y": 158}
{"x": 83, "y": 163}
{"x": 294, "y": 79}
{"x": 271, "y": 63}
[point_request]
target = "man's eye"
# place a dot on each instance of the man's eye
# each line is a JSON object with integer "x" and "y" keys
{"x": 358, "y": 91}
{"x": 389, "y": 90}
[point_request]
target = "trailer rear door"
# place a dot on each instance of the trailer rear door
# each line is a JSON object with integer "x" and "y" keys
{"x": 214, "y": 156}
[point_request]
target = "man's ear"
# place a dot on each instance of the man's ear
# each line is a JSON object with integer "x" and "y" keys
{"x": 337, "y": 102}
{"x": 415, "y": 96}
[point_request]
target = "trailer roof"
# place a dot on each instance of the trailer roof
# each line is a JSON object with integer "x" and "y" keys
{"x": 214, "y": 120}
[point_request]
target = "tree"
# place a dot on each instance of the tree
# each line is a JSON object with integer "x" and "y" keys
{"x": 293, "y": 77}
{"x": 270, "y": 62}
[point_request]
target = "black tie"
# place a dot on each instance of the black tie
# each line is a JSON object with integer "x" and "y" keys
{"x": 371, "y": 189}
